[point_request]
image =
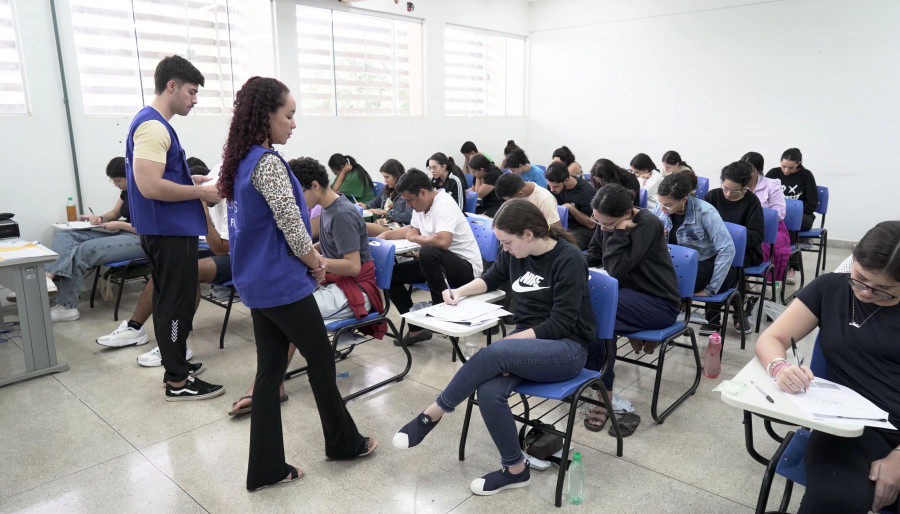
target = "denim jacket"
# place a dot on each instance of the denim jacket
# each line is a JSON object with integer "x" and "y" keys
{"x": 399, "y": 211}
{"x": 704, "y": 231}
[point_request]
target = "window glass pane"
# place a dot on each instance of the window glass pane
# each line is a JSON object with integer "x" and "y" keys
{"x": 12, "y": 84}
{"x": 482, "y": 75}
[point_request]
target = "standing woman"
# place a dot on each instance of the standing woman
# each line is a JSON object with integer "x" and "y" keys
{"x": 648, "y": 175}
{"x": 672, "y": 163}
{"x": 351, "y": 179}
{"x": 389, "y": 206}
{"x": 565, "y": 156}
{"x": 770, "y": 195}
{"x": 606, "y": 172}
{"x": 267, "y": 211}
{"x": 554, "y": 326}
{"x": 446, "y": 175}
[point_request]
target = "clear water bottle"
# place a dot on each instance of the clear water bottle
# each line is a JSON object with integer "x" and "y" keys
{"x": 71, "y": 211}
{"x": 576, "y": 480}
{"x": 470, "y": 348}
{"x": 712, "y": 359}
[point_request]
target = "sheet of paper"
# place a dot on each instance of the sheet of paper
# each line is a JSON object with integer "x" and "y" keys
{"x": 447, "y": 327}
{"x": 80, "y": 225}
{"x": 21, "y": 252}
{"x": 467, "y": 311}
{"x": 402, "y": 245}
{"x": 826, "y": 401}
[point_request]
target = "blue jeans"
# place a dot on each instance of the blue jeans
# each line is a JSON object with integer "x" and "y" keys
{"x": 80, "y": 250}
{"x": 537, "y": 360}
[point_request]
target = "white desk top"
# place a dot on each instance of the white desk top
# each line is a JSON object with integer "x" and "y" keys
{"x": 784, "y": 409}
{"x": 454, "y": 329}
{"x": 402, "y": 246}
{"x": 47, "y": 255}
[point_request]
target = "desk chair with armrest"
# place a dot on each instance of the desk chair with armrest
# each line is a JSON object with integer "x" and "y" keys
{"x": 563, "y": 216}
{"x": 820, "y": 246}
{"x": 118, "y": 275}
{"x": 764, "y": 273}
{"x": 702, "y": 187}
{"x": 793, "y": 219}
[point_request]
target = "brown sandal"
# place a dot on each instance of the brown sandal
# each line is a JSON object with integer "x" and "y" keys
{"x": 595, "y": 415}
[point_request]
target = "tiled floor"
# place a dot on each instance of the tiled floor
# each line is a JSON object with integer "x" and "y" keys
{"x": 101, "y": 437}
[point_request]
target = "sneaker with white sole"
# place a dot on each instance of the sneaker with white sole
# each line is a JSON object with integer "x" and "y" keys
{"x": 494, "y": 482}
{"x": 60, "y": 313}
{"x": 153, "y": 357}
{"x": 193, "y": 389}
{"x": 194, "y": 369}
{"x": 124, "y": 336}
{"x": 791, "y": 277}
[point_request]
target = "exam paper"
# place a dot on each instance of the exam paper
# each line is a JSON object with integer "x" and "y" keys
{"x": 826, "y": 401}
{"x": 467, "y": 311}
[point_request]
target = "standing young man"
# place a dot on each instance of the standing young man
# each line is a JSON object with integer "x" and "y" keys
{"x": 167, "y": 212}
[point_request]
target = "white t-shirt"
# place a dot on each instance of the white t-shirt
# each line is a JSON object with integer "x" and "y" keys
{"x": 445, "y": 216}
{"x": 219, "y": 213}
{"x": 544, "y": 200}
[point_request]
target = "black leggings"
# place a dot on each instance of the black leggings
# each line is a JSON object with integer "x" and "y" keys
{"x": 431, "y": 266}
{"x": 274, "y": 329}
{"x": 837, "y": 471}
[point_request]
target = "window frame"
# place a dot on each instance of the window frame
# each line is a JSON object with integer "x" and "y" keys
{"x": 20, "y": 56}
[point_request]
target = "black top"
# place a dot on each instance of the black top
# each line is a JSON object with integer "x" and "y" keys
{"x": 800, "y": 185}
{"x": 677, "y": 221}
{"x": 639, "y": 259}
{"x": 631, "y": 182}
{"x": 491, "y": 202}
{"x": 454, "y": 187}
{"x": 580, "y": 196}
{"x": 865, "y": 359}
{"x": 125, "y": 212}
{"x": 747, "y": 212}
{"x": 551, "y": 292}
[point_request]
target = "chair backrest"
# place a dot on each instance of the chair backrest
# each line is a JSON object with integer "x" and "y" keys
{"x": 587, "y": 176}
{"x": 817, "y": 362}
{"x": 770, "y": 222}
{"x": 543, "y": 168}
{"x": 604, "y": 291}
{"x": 471, "y": 201}
{"x": 377, "y": 187}
{"x": 685, "y": 261}
{"x": 822, "y": 208}
{"x": 359, "y": 209}
{"x": 739, "y": 238}
{"x": 487, "y": 241}
{"x": 563, "y": 216}
{"x": 470, "y": 179}
{"x": 702, "y": 187}
{"x": 383, "y": 256}
{"x": 643, "y": 199}
{"x": 793, "y": 216}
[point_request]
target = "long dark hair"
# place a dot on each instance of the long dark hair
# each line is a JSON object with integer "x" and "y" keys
{"x": 793, "y": 154}
{"x": 754, "y": 159}
{"x": 608, "y": 171}
{"x": 879, "y": 249}
{"x": 394, "y": 168}
{"x": 480, "y": 162}
{"x": 337, "y": 161}
{"x": 257, "y": 98}
{"x": 613, "y": 200}
{"x": 673, "y": 158}
{"x": 452, "y": 168}
{"x": 676, "y": 185}
{"x": 516, "y": 216}
{"x": 643, "y": 162}
{"x": 564, "y": 154}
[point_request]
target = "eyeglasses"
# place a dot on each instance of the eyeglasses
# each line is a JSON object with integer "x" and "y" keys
{"x": 877, "y": 293}
{"x": 435, "y": 167}
{"x": 604, "y": 227}
{"x": 729, "y": 192}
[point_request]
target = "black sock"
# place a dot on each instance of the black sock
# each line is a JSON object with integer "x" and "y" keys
{"x": 134, "y": 324}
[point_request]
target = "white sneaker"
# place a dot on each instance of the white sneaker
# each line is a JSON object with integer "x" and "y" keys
{"x": 791, "y": 277}
{"x": 60, "y": 313}
{"x": 124, "y": 336}
{"x": 153, "y": 358}
{"x": 51, "y": 290}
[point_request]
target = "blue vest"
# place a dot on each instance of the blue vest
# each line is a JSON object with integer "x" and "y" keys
{"x": 154, "y": 217}
{"x": 264, "y": 271}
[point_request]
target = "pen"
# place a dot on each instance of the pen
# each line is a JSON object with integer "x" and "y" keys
{"x": 448, "y": 285}
{"x": 354, "y": 198}
{"x": 799, "y": 362}
{"x": 832, "y": 416}
{"x": 762, "y": 392}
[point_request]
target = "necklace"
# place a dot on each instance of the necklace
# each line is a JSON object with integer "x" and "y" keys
{"x": 853, "y": 322}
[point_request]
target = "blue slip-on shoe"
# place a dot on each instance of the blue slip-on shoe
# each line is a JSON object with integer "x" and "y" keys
{"x": 414, "y": 432}
{"x": 494, "y": 482}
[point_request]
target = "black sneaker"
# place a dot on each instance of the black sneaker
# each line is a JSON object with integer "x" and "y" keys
{"x": 193, "y": 389}
{"x": 414, "y": 432}
{"x": 194, "y": 369}
{"x": 424, "y": 335}
{"x": 493, "y": 483}
{"x": 743, "y": 326}
{"x": 708, "y": 329}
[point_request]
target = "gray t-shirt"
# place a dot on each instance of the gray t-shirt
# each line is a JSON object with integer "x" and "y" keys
{"x": 343, "y": 230}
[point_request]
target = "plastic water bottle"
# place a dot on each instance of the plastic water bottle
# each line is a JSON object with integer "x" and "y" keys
{"x": 576, "y": 480}
{"x": 712, "y": 360}
{"x": 470, "y": 348}
{"x": 71, "y": 212}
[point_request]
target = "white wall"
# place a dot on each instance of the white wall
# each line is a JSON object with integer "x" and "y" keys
{"x": 714, "y": 79}
{"x": 37, "y": 172}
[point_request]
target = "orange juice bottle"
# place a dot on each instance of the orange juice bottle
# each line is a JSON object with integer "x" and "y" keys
{"x": 71, "y": 214}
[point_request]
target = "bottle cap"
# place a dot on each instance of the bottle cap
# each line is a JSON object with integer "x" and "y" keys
{"x": 70, "y": 198}
{"x": 577, "y": 456}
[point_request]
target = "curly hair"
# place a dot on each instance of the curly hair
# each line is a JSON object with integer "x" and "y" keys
{"x": 257, "y": 98}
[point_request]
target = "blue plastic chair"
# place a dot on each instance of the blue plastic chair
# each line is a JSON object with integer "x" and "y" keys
{"x": 383, "y": 257}
{"x": 821, "y": 233}
{"x": 643, "y": 200}
{"x": 793, "y": 219}
{"x": 685, "y": 261}
{"x": 563, "y": 216}
{"x": 471, "y": 201}
{"x": 726, "y": 297}
{"x": 377, "y": 187}
{"x": 470, "y": 179}
{"x": 488, "y": 244}
{"x": 702, "y": 187}
{"x": 120, "y": 281}
{"x": 764, "y": 271}
{"x": 543, "y": 168}
{"x": 587, "y": 176}
{"x": 604, "y": 293}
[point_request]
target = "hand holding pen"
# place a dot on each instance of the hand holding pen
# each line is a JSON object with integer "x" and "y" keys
{"x": 793, "y": 379}
{"x": 449, "y": 298}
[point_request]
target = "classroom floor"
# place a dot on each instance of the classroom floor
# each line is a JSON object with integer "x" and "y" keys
{"x": 102, "y": 438}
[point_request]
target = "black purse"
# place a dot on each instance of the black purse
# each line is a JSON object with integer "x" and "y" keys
{"x": 541, "y": 444}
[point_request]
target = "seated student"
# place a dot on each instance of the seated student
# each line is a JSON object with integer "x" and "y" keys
{"x": 511, "y": 186}
{"x": 565, "y": 156}
{"x": 672, "y": 163}
{"x": 486, "y": 176}
{"x": 80, "y": 250}
{"x": 518, "y": 163}
{"x": 770, "y": 196}
{"x": 858, "y": 317}
{"x": 604, "y": 172}
{"x": 576, "y": 194}
{"x": 510, "y": 146}
{"x": 351, "y": 179}
{"x": 447, "y": 177}
{"x": 736, "y": 204}
{"x": 630, "y": 244}
{"x": 349, "y": 289}
{"x": 554, "y": 325}
{"x": 797, "y": 183}
{"x": 389, "y": 206}
{"x": 648, "y": 176}
{"x": 448, "y": 246}
{"x": 469, "y": 150}
{"x": 693, "y": 223}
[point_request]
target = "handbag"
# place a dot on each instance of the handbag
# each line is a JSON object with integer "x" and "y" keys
{"x": 541, "y": 444}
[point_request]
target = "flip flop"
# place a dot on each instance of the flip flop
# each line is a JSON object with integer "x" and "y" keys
{"x": 371, "y": 444}
{"x": 245, "y": 410}
{"x": 595, "y": 416}
{"x": 296, "y": 474}
{"x": 628, "y": 424}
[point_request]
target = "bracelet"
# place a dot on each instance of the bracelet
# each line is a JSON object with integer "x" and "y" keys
{"x": 772, "y": 364}
{"x": 777, "y": 368}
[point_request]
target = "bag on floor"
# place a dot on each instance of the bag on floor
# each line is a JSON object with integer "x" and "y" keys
{"x": 541, "y": 444}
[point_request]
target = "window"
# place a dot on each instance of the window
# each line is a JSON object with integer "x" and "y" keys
{"x": 357, "y": 64}
{"x": 119, "y": 44}
{"x": 12, "y": 83}
{"x": 484, "y": 73}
